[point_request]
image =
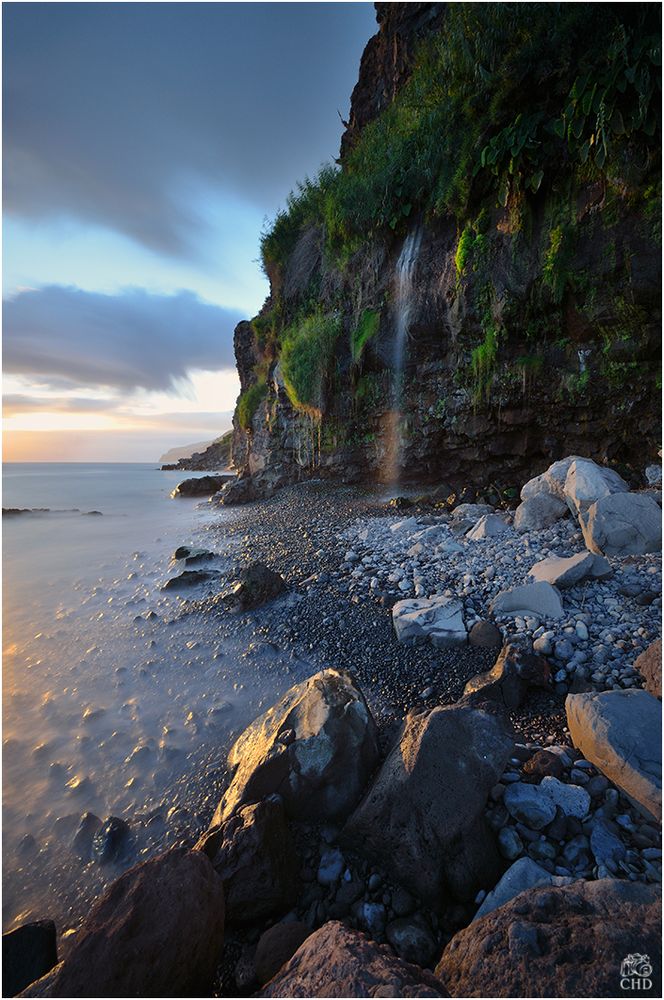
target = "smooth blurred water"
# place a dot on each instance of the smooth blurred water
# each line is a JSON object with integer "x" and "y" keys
{"x": 105, "y": 707}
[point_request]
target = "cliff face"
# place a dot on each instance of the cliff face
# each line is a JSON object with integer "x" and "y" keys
{"x": 531, "y": 330}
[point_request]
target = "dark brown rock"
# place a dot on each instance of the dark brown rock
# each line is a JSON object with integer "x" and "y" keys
{"x": 541, "y": 764}
{"x": 422, "y": 818}
{"x": 254, "y": 855}
{"x": 649, "y": 665}
{"x": 558, "y": 942}
{"x": 338, "y": 962}
{"x": 276, "y": 946}
{"x": 256, "y": 585}
{"x": 199, "y": 486}
{"x": 485, "y": 635}
{"x": 157, "y": 931}
{"x": 28, "y": 953}
{"x": 515, "y": 670}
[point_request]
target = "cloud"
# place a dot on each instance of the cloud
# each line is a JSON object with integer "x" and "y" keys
{"x": 123, "y": 342}
{"x": 15, "y": 403}
{"x": 122, "y": 114}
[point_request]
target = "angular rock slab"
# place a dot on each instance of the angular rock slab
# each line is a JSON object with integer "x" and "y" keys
{"x": 621, "y": 733}
{"x": 422, "y": 818}
{"x": 523, "y": 874}
{"x": 586, "y": 482}
{"x": 649, "y": 665}
{"x": 538, "y": 512}
{"x": 568, "y": 941}
{"x": 561, "y": 572}
{"x": 539, "y": 599}
{"x": 336, "y": 961}
{"x": 488, "y": 526}
{"x": 157, "y": 931}
{"x": 623, "y": 524}
{"x": 439, "y": 619}
{"x": 316, "y": 748}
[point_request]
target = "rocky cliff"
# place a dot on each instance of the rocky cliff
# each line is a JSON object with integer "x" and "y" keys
{"x": 476, "y": 290}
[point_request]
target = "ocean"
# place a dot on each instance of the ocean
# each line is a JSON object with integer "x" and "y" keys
{"x": 117, "y": 700}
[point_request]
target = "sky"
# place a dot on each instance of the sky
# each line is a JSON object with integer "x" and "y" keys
{"x": 144, "y": 147}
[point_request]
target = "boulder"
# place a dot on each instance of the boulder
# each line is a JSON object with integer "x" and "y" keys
{"x": 552, "y": 481}
{"x": 568, "y": 941}
{"x": 199, "y": 486}
{"x": 605, "y": 843}
{"x": 538, "y": 512}
{"x": 561, "y": 572}
{"x": 586, "y": 482}
{"x": 276, "y": 946}
{"x": 488, "y": 526}
{"x": 623, "y": 524}
{"x": 523, "y": 874}
{"x": 316, "y": 748}
{"x": 28, "y": 953}
{"x": 257, "y": 584}
{"x": 412, "y": 939}
{"x": 157, "y": 931}
{"x": 528, "y": 805}
{"x": 542, "y": 763}
{"x": 439, "y": 619}
{"x": 422, "y": 819}
{"x": 540, "y": 599}
{"x": 253, "y": 853}
{"x": 336, "y": 961}
{"x": 621, "y": 733}
{"x": 572, "y": 799}
{"x": 190, "y": 578}
{"x": 653, "y": 475}
{"x": 649, "y": 665}
{"x": 485, "y": 635}
{"x": 513, "y": 673}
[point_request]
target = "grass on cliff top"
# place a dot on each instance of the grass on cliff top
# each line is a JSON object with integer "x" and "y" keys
{"x": 307, "y": 349}
{"x": 503, "y": 98}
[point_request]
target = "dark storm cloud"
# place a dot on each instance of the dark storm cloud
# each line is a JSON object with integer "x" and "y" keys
{"x": 113, "y": 111}
{"x": 125, "y": 341}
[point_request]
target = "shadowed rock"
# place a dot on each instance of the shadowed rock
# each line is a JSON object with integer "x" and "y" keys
{"x": 28, "y": 953}
{"x": 515, "y": 670}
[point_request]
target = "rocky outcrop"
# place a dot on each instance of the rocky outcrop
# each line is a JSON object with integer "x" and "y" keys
{"x": 558, "y": 942}
{"x": 621, "y": 732}
{"x": 336, "y": 961}
{"x": 199, "y": 486}
{"x": 157, "y": 931}
{"x": 422, "y": 817}
{"x": 316, "y": 748}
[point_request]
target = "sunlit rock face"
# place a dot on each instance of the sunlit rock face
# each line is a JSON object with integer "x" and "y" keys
{"x": 567, "y": 373}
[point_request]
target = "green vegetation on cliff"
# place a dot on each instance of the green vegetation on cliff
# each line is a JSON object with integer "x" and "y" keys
{"x": 306, "y": 349}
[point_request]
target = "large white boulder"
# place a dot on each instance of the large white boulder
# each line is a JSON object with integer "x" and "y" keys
{"x": 586, "y": 482}
{"x": 623, "y": 524}
{"x": 561, "y": 572}
{"x": 439, "y": 619}
{"x": 552, "y": 481}
{"x": 539, "y": 599}
{"x": 538, "y": 512}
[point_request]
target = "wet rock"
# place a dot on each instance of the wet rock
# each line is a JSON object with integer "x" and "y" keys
{"x": 28, "y": 953}
{"x": 322, "y": 771}
{"x": 111, "y": 840}
{"x": 189, "y": 578}
{"x": 276, "y": 946}
{"x": 199, "y": 486}
{"x": 412, "y": 939}
{"x": 539, "y": 599}
{"x": 256, "y": 585}
{"x": 336, "y": 961}
{"x": 485, "y": 635}
{"x": 623, "y": 524}
{"x": 87, "y": 828}
{"x": 157, "y": 931}
{"x": 253, "y": 853}
{"x": 439, "y": 619}
{"x": 557, "y": 942}
{"x": 539, "y": 512}
{"x": 649, "y": 665}
{"x": 513, "y": 673}
{"x": 422, "y": 818}
{"x": 621, "y": 733}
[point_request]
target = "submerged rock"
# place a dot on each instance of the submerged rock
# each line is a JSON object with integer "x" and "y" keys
{"x": 422, "y": 819}
{"x": 199, "y": 486}
{"x": 336, "y": 961}
{"x": 316, "y": 748}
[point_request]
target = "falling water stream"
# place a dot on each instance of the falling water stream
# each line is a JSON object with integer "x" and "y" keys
{"x": 403, "y": 305}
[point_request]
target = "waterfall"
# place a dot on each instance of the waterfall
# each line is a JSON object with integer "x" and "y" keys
{"x": 403, "y": 304}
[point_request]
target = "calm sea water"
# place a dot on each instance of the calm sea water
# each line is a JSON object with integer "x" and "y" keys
{"x": 108, "y": 708}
